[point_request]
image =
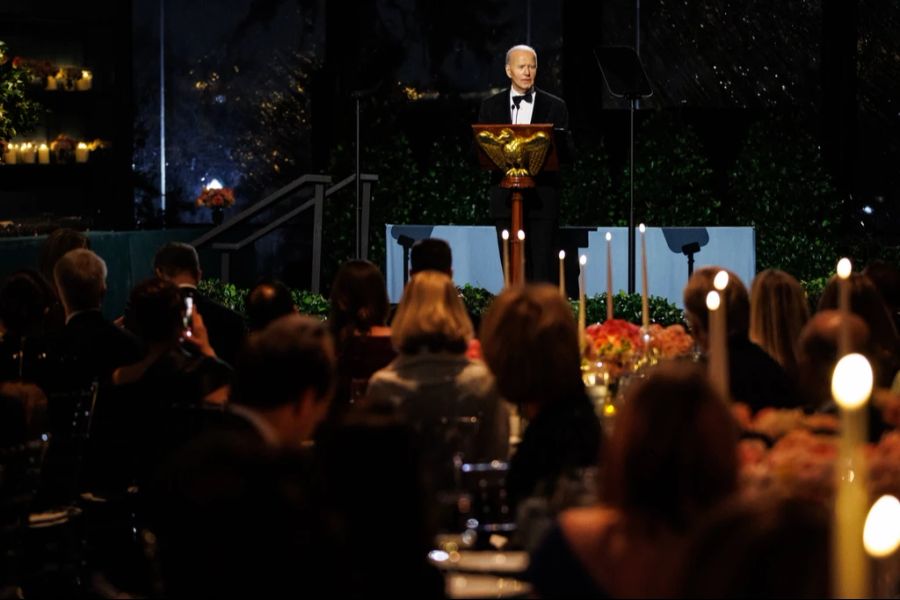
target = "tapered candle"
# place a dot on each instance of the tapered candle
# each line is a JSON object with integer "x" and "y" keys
{"x": 844, "y": 270}
{"x": 582, "y": 305}
{"x": 718, "y": 349}
{"x": 505, "y": 235}
{"x": 521, "y": 236}
{"x": 562, "y": 273}
{"x": 609, "y": 291}
{"x": 645, "y": 302}
{"x": 851, "y": 386}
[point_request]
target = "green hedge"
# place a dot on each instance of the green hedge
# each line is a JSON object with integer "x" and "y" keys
{"x": 477, "y": 301}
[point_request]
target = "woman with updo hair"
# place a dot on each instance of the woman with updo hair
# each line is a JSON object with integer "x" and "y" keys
{"x": 358, "y": 322}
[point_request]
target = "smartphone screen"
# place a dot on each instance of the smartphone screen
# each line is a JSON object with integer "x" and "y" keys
{"x": 188, "y": 314}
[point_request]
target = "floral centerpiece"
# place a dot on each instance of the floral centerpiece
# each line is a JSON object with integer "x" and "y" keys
{"x": 217, "y": 198}
{"x": 615, "y": 342}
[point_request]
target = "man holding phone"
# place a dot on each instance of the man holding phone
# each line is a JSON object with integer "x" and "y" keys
{"x": 179, "y": 263}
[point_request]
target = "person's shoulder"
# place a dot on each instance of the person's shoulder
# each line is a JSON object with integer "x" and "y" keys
{"x": 498, "y": 97}
{"x": 553, "y": 99}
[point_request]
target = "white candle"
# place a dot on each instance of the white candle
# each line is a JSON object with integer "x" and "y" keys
{"x": 505, "y": 235}
{"x": 609, "y": 284}
{"x": 582, "y": 305}
{"x": 844, "y": 270}
{"x": 84, "y": 84}
{"x": 51, "y": 83}
{"x": 521, "y": 236}
{"x": 718, "y": 348}
{"x": 43, "y": 154}
{"x": 10, "y": 154}
{"x": 562, "y": 273}
{"x": 26, "y": 153}
{"x": 82, "y": 152}
{"x": 851, "y": 386}
{"x": 645, "y": 301}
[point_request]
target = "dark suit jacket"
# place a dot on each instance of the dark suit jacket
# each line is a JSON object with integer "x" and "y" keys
{"x": 91, "y": 347}
{"x": 225, "y": 327}
{"x": 543, "y": 202}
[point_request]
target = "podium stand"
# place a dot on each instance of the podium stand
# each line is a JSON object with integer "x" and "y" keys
{"x": 520, "y": 152}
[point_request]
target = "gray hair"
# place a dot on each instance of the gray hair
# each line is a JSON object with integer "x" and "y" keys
{"x": 81, "y": 279}
{"x": 521, "y": 47}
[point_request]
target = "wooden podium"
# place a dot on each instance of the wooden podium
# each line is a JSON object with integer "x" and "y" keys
{"x": 520, "y": 152}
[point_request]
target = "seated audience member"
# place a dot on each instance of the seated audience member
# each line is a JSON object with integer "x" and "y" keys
{"x": 269, "y": 300}
{"x": 432, "y": 382}
{"x": 866, "y": 302}
{"x": 431, "y": 254}
{"x": 756, "y": 379}
{"x": 672, "y": 458}
{"x": 55, "y": 246}
{"x": 155, "y": 404}
{"x": 178, "y": 262}
{"x": 359, "y": 312}
{"x": 776, "y": 548}
{"x": 886, "y": 279}
{"x": 285, "y": 381}
{"x": 817, "y": 354}
{"x": 778, "y": 311}
{"x": 530, "y": 342}
{"x": 26, "y": 300}
{"x": 89, "y": 346}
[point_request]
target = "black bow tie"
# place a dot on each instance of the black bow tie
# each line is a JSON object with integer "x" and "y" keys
{"x": 517, "y": 100}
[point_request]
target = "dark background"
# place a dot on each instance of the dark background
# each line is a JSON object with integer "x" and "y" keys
{"x": 259, "y": 92}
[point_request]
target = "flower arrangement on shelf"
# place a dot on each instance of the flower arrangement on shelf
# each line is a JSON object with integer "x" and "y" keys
{"x": 215, "y": 196}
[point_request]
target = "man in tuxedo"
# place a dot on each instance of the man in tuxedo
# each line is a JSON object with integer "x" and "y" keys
{"x": 178, "y": 262}
{"x": 238, "y": 509}
{"x": 89, "y": 346}
{"x": 523, "y": 103}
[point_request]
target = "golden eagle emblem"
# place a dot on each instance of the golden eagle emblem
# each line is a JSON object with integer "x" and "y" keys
{"x": 518, "y": 156}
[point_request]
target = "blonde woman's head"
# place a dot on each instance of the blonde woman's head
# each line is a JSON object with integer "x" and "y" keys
{"x": 431, "y": 316}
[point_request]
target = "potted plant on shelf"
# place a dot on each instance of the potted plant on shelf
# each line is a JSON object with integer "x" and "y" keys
{"x": 18, "y": 113}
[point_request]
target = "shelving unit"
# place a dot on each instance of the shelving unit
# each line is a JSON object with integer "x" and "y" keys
{"x": 95, "y": 36}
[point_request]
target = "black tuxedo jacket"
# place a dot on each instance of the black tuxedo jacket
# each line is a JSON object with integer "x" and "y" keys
{"x": 225, "y": 327}
{"x": 543, "y": 202}
{"x": 91, "y": 347}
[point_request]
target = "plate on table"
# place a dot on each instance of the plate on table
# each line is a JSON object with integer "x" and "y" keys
{"x": 485, "y": 586}
{"x": 481, "y": 561}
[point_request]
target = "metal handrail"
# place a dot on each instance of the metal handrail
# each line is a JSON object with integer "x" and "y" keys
{"x": 316, "y": 203}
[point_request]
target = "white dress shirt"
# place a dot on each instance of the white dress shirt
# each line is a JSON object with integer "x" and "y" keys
{"x": 522, "y": 115}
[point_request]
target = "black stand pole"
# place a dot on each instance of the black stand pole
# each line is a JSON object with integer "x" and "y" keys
{"x": 631, "y": 236}
{"x": 625, "y": 78}
{"x": 358, "y": 187}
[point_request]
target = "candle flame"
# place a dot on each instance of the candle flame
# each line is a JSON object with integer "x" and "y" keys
{"x": 582, "y": 259}
{"x": 43, "y": 147}
{"x": 881, "y": 534}
{"x": 844, "y": 268}
{"x": 713, "y": 301}
{"x": 851, "y": 383}
{"x": 721, "y": 280}
{"x": 504, "y": 234}
{"x": 641, "y": 228}
{"x": 86, "y": 74}
{"x": 608, "y": 236}
{"x": 562, "y": 255}
{"x": 81, "y": 146}
{"x": 521, "y": 235}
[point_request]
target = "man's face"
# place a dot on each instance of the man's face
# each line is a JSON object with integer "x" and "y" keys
{"x": 521, "y": 70}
